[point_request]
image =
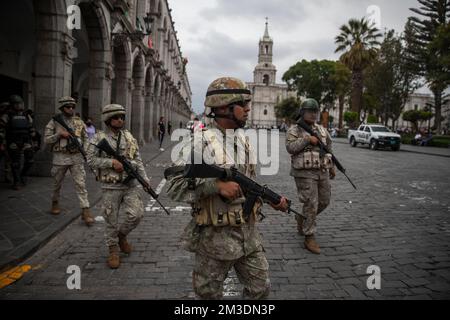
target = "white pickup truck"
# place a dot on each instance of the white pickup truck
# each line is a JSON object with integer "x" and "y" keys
{"x": 376, "y": 136}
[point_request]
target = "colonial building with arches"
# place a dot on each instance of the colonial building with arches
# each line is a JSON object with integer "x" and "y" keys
{"x": 109, "y": 59}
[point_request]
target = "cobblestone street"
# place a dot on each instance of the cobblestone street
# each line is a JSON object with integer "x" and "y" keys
{"x": 398, "y": 219}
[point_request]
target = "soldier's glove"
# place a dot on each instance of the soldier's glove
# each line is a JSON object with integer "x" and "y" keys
{"x": 332, "y": 173}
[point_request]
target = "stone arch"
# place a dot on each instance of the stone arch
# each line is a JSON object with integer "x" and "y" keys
{"x": 120, "y": 73}
{"x": 148, "y": 104}
{"x": 93, "y": 47}
{"x": 40, "y": 55}
{"x": 137, "y": 102}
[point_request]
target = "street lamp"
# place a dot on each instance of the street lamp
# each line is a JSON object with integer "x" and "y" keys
{"x": 138, "y": 35}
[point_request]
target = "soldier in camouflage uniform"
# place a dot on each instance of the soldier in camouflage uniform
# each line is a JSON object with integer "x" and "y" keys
{"x": 66, "y": 157}
{"x": 312, "y": 170}
{"x": 19, "y": 135}
{"x": 119, "y": 193}
{"x": 219, "y": 234}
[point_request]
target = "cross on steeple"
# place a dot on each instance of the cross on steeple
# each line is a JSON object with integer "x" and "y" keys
{"x": 266, "y": 32}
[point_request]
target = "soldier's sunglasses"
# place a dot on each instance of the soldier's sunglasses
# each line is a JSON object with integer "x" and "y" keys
{"x": 70, "y": 106}
{"x": 241, "y": 104}
{"x": 118, "y": 116}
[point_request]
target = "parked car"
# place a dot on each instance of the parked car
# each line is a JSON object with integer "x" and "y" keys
{"x": 376, "y": 136}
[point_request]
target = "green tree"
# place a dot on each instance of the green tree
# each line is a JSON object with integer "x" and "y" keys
{"x": 429, "y": 38}
{"x": 416, "y": 116}
{"x": 350, "y": 117}
{"x": 313, "y": 79}
{"x": 288, "y": 109}
{"x": 358, "y": 41}
{"x": 372, "y": 119}
{"x": 390, "y": 79}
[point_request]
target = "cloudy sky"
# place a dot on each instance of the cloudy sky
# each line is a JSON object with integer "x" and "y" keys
{"x": 220, "y": 37}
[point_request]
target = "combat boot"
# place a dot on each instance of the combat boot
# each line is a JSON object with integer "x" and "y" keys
{"x": 114, "y": 259}
{"x": 311, "y": 244}
{"x": 125, "y": 247}
{"x": 55, "y": 208}
{"x": 300, "y": 221}
{"x": 87, "y": 217}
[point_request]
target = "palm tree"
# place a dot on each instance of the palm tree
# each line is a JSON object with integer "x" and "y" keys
{"x": 359, "y": 43}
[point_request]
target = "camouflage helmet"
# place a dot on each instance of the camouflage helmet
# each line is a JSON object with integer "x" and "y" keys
{"x": 15, "y": 99}
{"x": 64, "y": 101}
{"x": 225, "y": 91}
{"x": 111, "y": 110}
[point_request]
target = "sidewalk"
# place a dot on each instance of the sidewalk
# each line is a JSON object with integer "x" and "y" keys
{"x": 26, "y": 223}
{"x": 432, "y": 151}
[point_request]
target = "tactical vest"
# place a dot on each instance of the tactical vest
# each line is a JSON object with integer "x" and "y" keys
{"x": 128, "y": 149}
{"x": 18, "y": 129}
{"x": 214, "y": 210}
{"x": 312, "y": 157}
{"x": 63, "y": 145}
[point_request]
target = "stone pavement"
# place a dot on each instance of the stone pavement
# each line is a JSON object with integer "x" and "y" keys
{"x": 398, "y": 219}
{"x": 26, "y": 222}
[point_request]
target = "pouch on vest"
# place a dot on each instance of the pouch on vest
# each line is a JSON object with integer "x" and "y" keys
{"x": 307, "y": 160}
{"x": 327, "y": 161}
{"x": 315, "y": 156}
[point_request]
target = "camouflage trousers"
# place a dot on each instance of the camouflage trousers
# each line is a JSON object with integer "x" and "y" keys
{"x": 79, "y": 178}
{"x": 314, "y": 192}
{"x": 115, "y": 201}
{"x": 252, "y": 270}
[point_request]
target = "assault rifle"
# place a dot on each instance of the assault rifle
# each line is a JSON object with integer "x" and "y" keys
{"x": 104, "y": 146}
{"x": 302, "y": 124}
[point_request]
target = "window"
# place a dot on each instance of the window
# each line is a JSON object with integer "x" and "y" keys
{"x": 367, "y": 129}
{"x": 416, "y": 107}
{"x": 380, "y": 129}
{"x": 266, "y": 79}
{"x": 265, "y": 112}
{"x": 267, "y": 49}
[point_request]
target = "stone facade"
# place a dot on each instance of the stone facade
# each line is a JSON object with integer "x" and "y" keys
{"x": 265, "y": 91}
{"x": 42, "y": 59}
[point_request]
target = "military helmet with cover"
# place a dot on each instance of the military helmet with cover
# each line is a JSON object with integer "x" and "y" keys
{"x": 65, "y": 101}
{"x": 225, "y": 91}
{"x": 111, "y": 110}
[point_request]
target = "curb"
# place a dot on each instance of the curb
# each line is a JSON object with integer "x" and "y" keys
{"x": 410, "y": 151}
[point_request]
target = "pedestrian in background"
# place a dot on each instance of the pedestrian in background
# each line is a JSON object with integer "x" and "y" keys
{"x": 90, "y": 128}
{"x": 169, "y": 128}
{"x": 161, "y": 132}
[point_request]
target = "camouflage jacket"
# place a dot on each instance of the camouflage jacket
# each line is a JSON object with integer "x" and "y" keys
{"x": 306, "y": 158}
{"x": 221, "y": 243}
{"x": 58, "y": 145}
{"x": 102, "y": 163}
